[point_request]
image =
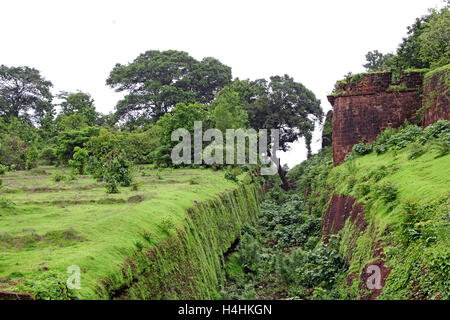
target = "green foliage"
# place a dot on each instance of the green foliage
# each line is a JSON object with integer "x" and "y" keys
{"x": 79, "y": 162}
{"x": 116, "y": 171}
{"x": 387, "y": 191}
{"x": 232, "y": 173}
{"x": 24, "y": 94}
{"x": 248, "y": 253}
{"x": 417, "y": 151}
{"x": 442, "y": 145}
{"x": 425, "y": 46}
{"x": 361, "y": 148}
{"x": 166, "y": 223}
{"x": 77, "y": 104}
{"x": 49, "y": 155}
{"x": 50, "y": 285}
{"x": 320, "y": 267}
{"x": 31, "y": 158}
{"x": 13, "y": 152}
{"x": 227, "y": 110}
{"x": 434, "y": 49}
{"x": 156, "y": 81}
{"x": 68, "y": 140}
{"x": 59, "y": 176}
{"x": 194, "y": 180}
{"x": 310, "y": 180}
{"x": 411, "y": 135}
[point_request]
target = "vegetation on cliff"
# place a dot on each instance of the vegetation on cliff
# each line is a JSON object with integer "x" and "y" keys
{"x": 400, "y": 182}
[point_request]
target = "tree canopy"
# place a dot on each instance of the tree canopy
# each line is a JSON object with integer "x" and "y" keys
{"x": 24, "y": 94}
{"x": 157, "y": 80}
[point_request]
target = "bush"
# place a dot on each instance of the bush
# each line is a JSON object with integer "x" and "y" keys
{"x": 361, "y": 148}
{"x": 417, "y": 151}
{"x": 248, "y": 253}
{"x": 49, "y": 155}
{"x": 116, "y": 172}
{"x": 442, "y": 146}
{"x": 59, "y": 176}
{"x": 232, "y": 174}
{"x": 31, "y": 158}
{"x": 13, "y": 152}
{"x": 50, "y": 285}
{"x": 79, "y": 161}
{"x": 194, "y": 180}
{"x": 166, "y": 223}
{"x": 387, "y": 191}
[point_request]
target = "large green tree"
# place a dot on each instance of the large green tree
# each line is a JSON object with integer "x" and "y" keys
{"x": 78, "y": 103}
{"x": 24, "y": 94}
{"x": 280, "y": 103}
{"x": 157, "y": 80}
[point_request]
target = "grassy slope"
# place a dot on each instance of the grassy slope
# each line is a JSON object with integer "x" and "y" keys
{"x": 47, "y": 228}
{"x": 417, "y": 265}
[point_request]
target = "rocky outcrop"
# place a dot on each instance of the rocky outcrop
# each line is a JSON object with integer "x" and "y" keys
{"x": 366, "y": 104}
{"x": 436, "y": 96}
{"x": 340, "y": 209}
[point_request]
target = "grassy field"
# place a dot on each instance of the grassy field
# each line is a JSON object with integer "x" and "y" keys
{"x": 52, "y": 225}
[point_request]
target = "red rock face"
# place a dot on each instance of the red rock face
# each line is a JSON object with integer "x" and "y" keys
{"x": 436, "y": 97}
{"x": 363, "y": 109}
{"x": 340, "y": 209}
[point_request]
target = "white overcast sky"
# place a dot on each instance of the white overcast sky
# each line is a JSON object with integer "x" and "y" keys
{"x": 75, "y": 44}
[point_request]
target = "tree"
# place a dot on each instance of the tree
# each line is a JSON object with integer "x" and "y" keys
{"x": 183, "y": 116}
{"x": 434, "y": 41}
{"x": 24, "y": 94}
{"x": 376, "y": 61}
{"x": 286, "y": 105}
{"x": 78, "y": 103}
{"x": 280, "y": 103}
{"x": 227, "y": 110}
{"x": 157, "y": 80}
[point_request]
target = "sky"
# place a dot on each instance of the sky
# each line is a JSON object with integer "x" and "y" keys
{"x": 75, "y": 44}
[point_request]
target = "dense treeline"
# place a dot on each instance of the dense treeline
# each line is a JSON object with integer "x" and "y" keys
{"x": 165, "y": 90}
{"x": 427, "y": 45}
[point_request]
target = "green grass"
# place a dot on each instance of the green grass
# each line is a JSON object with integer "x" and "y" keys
{"x": 418, "y": 252}
{"x": 59, "y": 224}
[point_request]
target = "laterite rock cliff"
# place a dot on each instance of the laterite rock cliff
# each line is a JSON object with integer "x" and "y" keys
{"x": 366, "y": 104}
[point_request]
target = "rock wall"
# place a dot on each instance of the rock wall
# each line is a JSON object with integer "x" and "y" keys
{"x": 340, "y": 209}
{"x": 436, "y": 96}
{"x": 366, "y": 104}
{"x": 327, "y": 130}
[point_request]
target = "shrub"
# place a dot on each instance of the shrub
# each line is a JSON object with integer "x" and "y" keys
{"x": 31, "y": 158}
{"x": 417, "y": 151}
{"x": 387, "y": 191}
{"x": 116, "y": 172}
{"x": 50, "y": 285}
{"x": 442, "y": 146}
{"x": 248, "y": 253}
{"x": 59, "y": 176}
{"x": 13, "y": 152}
{"x": 194, "y": 180}
{"x": 232, "y": 174}
{"x": 49, "y": 155}
{"x": 361, "y": 148}
{"x": 363, "y": 189}
{"x": 166, "y": 223}
{"x": 79, "y": 161}
{"x": 2, "y": 169}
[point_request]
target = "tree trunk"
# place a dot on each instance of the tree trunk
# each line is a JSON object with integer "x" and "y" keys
{"x": 282, "y": 174}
